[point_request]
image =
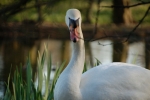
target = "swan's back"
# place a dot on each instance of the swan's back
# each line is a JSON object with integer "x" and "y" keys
{"x": 117, "y": 81}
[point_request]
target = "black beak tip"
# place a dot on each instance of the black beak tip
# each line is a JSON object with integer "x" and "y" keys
{"x": 74, "y": 40}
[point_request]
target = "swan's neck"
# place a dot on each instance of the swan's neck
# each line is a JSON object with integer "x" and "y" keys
{"x": 76, "y": 64}
{"x": 69, "y": 80}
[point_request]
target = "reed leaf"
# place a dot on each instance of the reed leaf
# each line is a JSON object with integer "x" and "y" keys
{"x": 25, "y": 89}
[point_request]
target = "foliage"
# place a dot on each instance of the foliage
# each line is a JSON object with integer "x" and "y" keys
{"x": 53, "y": 11}
{"x": 97, "y": 62}
{"x": 25, "y": 89}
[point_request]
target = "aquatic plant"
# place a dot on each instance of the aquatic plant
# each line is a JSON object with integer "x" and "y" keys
{"x": 26, "y": 89}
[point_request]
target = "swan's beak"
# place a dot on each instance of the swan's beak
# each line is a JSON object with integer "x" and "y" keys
{"x": 73, "y": 27}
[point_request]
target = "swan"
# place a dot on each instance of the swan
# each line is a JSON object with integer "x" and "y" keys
{"x": 115, "y": 81}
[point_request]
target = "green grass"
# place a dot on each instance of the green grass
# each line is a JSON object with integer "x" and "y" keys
{"x": 56, "y": 13}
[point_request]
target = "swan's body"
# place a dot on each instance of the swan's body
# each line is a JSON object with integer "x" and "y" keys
{"x": 116, "y": 81}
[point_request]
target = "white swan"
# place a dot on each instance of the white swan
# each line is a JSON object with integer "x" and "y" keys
{"x": 115, "y": 81}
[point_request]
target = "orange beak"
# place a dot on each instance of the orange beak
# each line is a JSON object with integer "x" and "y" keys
{"x": 73, "y": 27}
{"x": 74, "y": 34}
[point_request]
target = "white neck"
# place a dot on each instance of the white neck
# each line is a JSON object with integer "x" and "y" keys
{"x": 69, "y": 80}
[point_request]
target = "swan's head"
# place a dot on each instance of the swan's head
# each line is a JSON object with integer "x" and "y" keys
{"x": 73, "y": 21}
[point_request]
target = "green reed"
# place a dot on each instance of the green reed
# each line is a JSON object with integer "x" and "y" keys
{"x": 25, "y": 89}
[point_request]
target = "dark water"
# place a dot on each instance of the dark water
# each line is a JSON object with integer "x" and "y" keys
{"x": 14, "y": 53}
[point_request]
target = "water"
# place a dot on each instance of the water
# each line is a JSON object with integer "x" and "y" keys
{"x": 2, "y": 83}
{"x": 13, "y": 53}
{"x": 102, "y": 53}
{"x": 136, "y": 54}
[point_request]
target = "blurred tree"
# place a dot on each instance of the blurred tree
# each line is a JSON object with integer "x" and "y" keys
{"x": 147, "y": 52}
{"x": 39, "y": 11}
{"x": 12, "y": 8}
{"x": 88, "y": 11}
{"x": 16, "y": 6}
{"x": 121, "y": 16}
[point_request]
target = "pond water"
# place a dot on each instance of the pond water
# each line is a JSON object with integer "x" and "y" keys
{"x": 14, "y": 53}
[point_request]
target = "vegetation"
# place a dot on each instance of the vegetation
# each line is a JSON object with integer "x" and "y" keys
{"x": 26, "y": 89}
{"x": 54, "y": 12}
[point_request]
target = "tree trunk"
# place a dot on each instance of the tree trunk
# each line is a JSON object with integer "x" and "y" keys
{"x": 121, "y": 16}
{"x": 120, "y": 52}
{"x": 147, "y": 53}
{"x": 88, "y": 11}
{"x": 38, "y": 7}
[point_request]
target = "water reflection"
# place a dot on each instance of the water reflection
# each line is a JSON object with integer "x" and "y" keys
{"x": 102, "y": 53}
{"x": 56, "y": 48}
{"x": 2, "y": 88}
{"x": 14, "y": 53}
{"x": 136, "y": 54}
{"x": 2, "y": 85}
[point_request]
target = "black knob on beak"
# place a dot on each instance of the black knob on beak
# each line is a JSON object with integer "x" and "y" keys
{"x": 73, "y": 23}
